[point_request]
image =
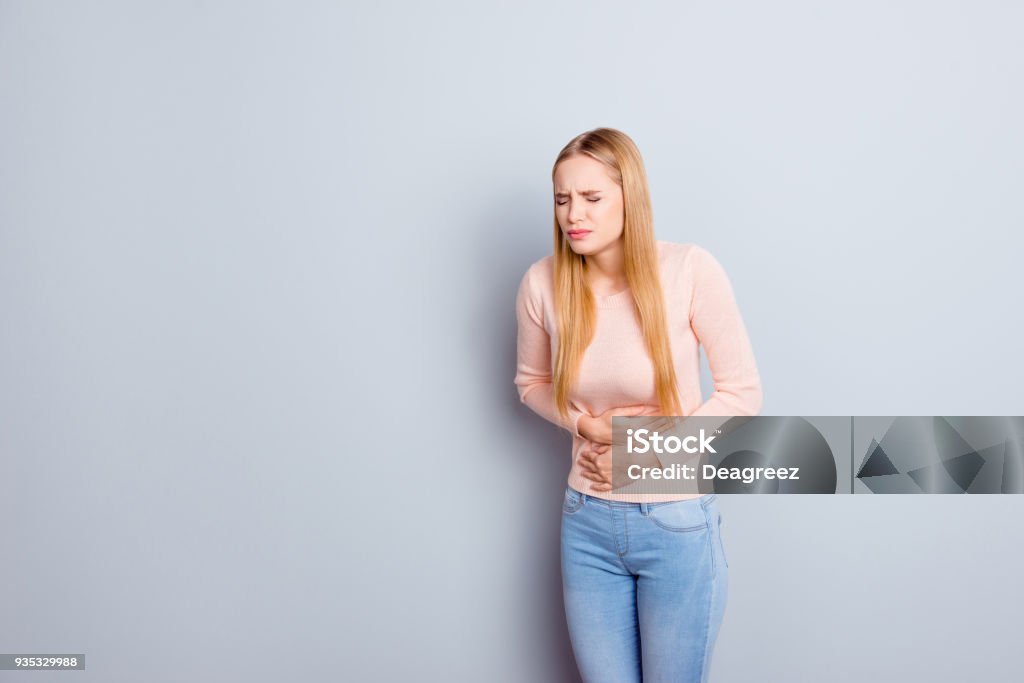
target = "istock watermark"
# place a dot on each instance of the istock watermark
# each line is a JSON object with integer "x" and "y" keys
{"x": 645, "y": 440}
{"x": 825, "y": 454}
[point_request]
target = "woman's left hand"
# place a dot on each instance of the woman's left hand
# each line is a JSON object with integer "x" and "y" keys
{"x": 595, "y": 460}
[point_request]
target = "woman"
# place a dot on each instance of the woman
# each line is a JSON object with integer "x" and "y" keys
{"x": 611, "y": 324}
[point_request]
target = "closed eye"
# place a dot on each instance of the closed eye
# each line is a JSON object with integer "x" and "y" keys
{"x": 589, "y": 200}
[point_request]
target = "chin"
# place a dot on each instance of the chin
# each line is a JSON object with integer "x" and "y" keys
{"x": 584, "y": 247}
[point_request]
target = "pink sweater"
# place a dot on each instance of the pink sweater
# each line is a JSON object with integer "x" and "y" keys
{"x": 616, "y": 370}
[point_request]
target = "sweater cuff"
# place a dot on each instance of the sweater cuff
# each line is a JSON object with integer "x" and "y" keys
{"x": 574, "y": 422}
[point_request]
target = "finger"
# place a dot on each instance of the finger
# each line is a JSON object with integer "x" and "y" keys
{"x": 662, "y": 424}
{"x": 635, "y": 423}
{"x": 635, "y": 409}
{"x": 627, "y": 411}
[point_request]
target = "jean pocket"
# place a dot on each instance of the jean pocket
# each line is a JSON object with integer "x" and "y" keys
{"x": 573, "y": 501}
{"x": 680, "y": 516}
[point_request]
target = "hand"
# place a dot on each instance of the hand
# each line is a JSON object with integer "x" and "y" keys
{"x": 595, "y": 461}
{"x": 598, "y": 430}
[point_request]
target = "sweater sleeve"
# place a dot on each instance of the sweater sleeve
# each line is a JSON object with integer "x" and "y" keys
{"x": 716, "y": 322}
{"x": 533, "y": 360}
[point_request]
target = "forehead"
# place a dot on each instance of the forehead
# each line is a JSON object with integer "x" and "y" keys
{"x": 582, "y": 173}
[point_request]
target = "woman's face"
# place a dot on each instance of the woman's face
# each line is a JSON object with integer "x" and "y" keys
{"x": 588, "y": 204}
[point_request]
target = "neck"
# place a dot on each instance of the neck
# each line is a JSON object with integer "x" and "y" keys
{"x": 606, "y": 265}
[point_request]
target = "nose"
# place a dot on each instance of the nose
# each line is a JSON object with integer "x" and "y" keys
{"x": 576, "y": 211}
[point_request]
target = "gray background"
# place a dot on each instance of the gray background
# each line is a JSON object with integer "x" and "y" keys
{"x": 254, "y": 258}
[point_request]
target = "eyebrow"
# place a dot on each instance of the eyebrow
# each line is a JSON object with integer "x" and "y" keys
{"x": 583, "y": 192}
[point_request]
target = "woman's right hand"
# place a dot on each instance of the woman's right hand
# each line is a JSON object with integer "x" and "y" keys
{"x": 599, "y": 429}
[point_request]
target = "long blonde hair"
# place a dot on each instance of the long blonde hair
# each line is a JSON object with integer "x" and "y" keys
{"x": 574, "y": 301}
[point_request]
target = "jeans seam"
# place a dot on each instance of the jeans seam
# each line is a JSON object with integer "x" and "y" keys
{"x": 704, "y": 502}
{"x": 615, "y": 535}
{"x": 707, "y": 628}
{"x": 625, "y": 533}
{"x": 711, "y": 543}
{"x": 680, "y": 530}
{"x": 721, "y": 543}
{"x": 578, "y": 499}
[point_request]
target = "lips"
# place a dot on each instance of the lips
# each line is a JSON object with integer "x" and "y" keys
{"x": 579, "y": 234}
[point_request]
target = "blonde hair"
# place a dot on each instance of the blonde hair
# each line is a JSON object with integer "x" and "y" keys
{"x": 574, "y": 301}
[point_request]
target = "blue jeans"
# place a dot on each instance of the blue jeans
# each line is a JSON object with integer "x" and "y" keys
{"x": 645, "y": 587}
